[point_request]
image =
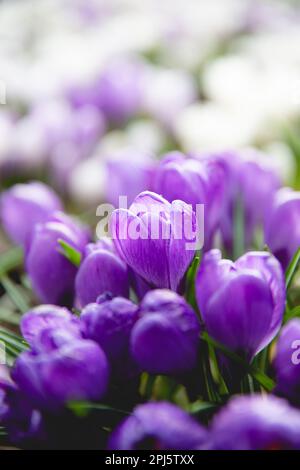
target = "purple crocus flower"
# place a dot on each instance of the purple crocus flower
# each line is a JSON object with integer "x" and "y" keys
{"x": 51, "y": 274}
{"x": 287, "y": 361}
{"x": 241, "y": 303}
{"x": 256, "y": 423}
{"x": 76, "y": 370}
{"x": 23, "y": 423}
{"x": 119, "y": 89}
{"x": 49, "y": 322}
{"x": 25, "y": 205}
{"x": 158, "y": 426}
{"x": 194, "y": 182}
{"x": 101, "y": 271}
{"x": 129, "y": 173}
{"x": 165, "y": 338}
{"x": 249, "y": 185}
{"x": 152, "y": 238}
{"x": 282, "y": 232}
{"x": 109, "y": 322}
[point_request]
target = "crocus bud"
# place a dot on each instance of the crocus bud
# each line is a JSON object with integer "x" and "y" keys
{"x": 52, "y": 275}
{"x": 78, "y": 370}
{"x": 165, "y": 338}
{"x": 282, "y": 233}
{"x": 156, "y": 426}
{"x": 101, "y": 271}
{"x": 25, "y": 205}
{"x": 50, "y": 319}
{"x": 118, "y": 92}
{"x": 155, "y": 238}
{"x": 241, "y": 303}
{"x": 194, "y": 182}
{"x": 109, "y": 322}
{"x": 128, "y": 174}
{"x": 287, "y": 361}
{"x": 256, "y": 423}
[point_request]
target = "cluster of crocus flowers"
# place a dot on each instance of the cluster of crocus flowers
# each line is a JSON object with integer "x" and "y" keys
{"x": 155, "y": 312}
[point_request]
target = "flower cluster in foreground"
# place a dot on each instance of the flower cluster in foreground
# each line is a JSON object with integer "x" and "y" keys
{"x": 141, "y": 342}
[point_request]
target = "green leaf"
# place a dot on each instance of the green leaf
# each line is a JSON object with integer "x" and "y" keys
{"x": 292, "y": 268}
{"x": 14, "y": 344}
{"x": 265, "y": 381}
{"x": 73, "y": 255}
{"x": 202, "y": 407}
{"x": 293, "y": 313}
{"x": 190, "y": 282}
{"x": 239, "y": 229}
{"x": 11, "y": 259}
{"x": 9, "y": 317}
{"x": 15, "y": 293}
{"x": 82, "y": 408}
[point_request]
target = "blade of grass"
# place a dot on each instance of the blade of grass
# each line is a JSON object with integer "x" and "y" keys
{"x": 14, "y": 293}
{"x": 82, "y": 408}
{"x": 239, "y": 229}
{"x": 293, "y": 313}
{"x": 9, "y": 317}
{"x": 292, "y": 268}
{"x": 202, "y": 407}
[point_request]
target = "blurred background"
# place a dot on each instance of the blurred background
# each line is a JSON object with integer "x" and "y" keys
{"x": 88, "y": 86}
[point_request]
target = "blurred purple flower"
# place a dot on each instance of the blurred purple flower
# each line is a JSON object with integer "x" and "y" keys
{"x": 158, "y": 426}
{"x": 241, "y": 303}
{"x": 282, "y": 233}
{"x": 194, "y": 182}
{"x": 22, "y": 422}
{"x": 250, "y": 185}
{"x": 76, "y": 370}
{"x": 256, "y": 423}
{"x": 24, "y": 206}
{"x": 129, "y": 174}
{"x": 287, "y": 361}
{"x": 52, "y": 275}
{"x": 45, "y": 323}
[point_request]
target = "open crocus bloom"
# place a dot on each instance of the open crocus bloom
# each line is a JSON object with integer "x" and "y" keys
{"x": 156, "y": 238}
{"x": 241, "y": 303}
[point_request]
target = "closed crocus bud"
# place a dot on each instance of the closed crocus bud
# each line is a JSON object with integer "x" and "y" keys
{"x": 165, "y": 338}
{"x": 118, "y": 92}
{"x": 241, "y": 303}
{"x": 194, "y": 182}
{"x": 256, "y": 423}
{"x": 109, "y": 322}
{"x": 282, "y": 233}
{"x": 287, "y": 361}
{"x": 50, "y": 319}
{"x": 129, "y": 173}
{"x": 158, "y": 426}
{"x": 52, "y": 275}
{"x": 77, "y": 370}
{"x": 101, "y": 271}
{"x": 25, "y": 205}
{"x": 156, "y": 239}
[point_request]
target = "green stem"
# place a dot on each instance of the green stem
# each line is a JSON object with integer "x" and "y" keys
{"x": 266, "y": 382}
